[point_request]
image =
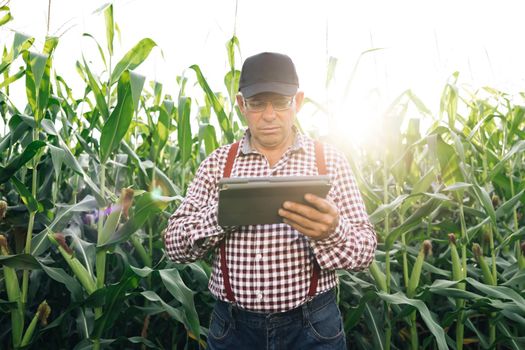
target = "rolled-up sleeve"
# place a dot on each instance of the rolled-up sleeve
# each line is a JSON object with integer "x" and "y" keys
{"x": 352, "y": 245}
{"x": 193, "y": 229}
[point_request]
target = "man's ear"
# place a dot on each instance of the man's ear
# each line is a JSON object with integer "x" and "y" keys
{"x": 240, "y": 102}
{"x": 299, "y": 98}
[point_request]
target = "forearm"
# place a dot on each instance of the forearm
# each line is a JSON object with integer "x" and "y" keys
{"x": 189, "y": 236}
{"x": 351, "y": 247}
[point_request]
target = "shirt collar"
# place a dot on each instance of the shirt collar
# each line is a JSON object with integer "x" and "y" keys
{"x": 246, "y": 147}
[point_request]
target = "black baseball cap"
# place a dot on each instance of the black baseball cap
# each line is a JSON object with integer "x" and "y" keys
{"x": 268, "y": 72}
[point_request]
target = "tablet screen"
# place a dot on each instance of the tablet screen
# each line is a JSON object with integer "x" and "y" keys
{"x": 256, "y": 200}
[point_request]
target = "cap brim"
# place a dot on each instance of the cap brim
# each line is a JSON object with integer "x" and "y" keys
{"x": 278, "y": 88}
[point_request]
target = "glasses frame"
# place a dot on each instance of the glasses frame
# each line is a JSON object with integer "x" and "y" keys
{"x": 245, "y": 101}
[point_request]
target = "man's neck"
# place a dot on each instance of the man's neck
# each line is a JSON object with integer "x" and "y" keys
{"x": 273, "y": 154}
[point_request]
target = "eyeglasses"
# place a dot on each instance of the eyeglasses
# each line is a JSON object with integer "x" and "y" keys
{"x": 278, "y": 104}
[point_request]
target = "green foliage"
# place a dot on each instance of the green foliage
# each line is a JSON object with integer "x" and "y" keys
{"x": 65, "y": 160}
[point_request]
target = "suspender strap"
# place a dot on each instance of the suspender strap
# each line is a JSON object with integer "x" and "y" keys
{"x": 225, "y": 273}
{"x": 319, "y": 158}
{"x": 224, "y": 267}
{"x": 231, "y": 159}
{"x": 321, "y": 169}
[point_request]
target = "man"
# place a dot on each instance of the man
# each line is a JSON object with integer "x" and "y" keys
{"x": 274, "y": 284}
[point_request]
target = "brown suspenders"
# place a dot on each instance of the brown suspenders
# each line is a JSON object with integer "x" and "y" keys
{"x": 321, "y": 168}
{"x": 224, "y": 268}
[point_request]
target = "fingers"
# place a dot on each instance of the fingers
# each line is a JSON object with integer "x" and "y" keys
{"x": 323, "y": 205}
{"x": 314, "y": 234}
{"x": 318, "y": 222}
{"x": 304, "y": 215}
{"x": 322, "y": 210}
{"x": 314, "y": 230}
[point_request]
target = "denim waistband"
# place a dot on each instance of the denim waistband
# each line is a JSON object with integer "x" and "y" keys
{"x": 261, "y": 319}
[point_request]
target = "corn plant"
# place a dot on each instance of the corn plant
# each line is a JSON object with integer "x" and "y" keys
{"x": 88, "y": 182}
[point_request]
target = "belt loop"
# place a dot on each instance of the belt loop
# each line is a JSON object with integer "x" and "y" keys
{"x": 305, "y": 314}
{"x": 231, "y": 311}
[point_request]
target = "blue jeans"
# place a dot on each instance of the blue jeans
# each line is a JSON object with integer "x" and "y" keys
{"x": 314, "y": 325}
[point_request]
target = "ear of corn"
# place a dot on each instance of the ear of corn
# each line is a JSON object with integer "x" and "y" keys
{"x": 457, "y": 273}
{"x": 110, "y": 224}
{"x": 415, "y": 276}
{"x": 521, "y": 256}
{"x": 139, "y": 248}
{"x": 481, "y": 144}
{"x": 41, "y": 314}
{"x": 81, "y": 273}
{"x": 378, "y": 276}
{"x": 487, "y": 275}
{"x": 13, "y": 295}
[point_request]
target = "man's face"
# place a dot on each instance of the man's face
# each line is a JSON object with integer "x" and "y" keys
{"x": 270, "y": 124}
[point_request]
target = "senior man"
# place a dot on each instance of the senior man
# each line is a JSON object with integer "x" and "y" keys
{"x": 274, "y": 283}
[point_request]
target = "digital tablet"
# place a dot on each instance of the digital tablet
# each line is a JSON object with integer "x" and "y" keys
{"x": 256, "y": 200}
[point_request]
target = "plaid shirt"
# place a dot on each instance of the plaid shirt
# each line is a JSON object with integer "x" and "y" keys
{"x": 270, "y": 266}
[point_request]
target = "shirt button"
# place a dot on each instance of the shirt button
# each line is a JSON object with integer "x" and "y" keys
{"x": 258, "y": 257}
{"x": 260, "y": 296}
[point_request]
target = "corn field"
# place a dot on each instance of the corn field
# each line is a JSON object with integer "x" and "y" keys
{"x": 88, "y": 182}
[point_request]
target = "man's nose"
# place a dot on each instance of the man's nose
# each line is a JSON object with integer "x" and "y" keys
{"x": 269, "y": 112}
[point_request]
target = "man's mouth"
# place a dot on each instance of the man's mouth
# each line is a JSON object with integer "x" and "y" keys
{"x": 269, "y": 128}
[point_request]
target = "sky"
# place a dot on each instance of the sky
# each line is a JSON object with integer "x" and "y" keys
{"x": 382, "y": 47}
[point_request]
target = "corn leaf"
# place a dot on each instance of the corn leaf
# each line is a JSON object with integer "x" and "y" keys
{"x": 224, "y": 123}
{"x": 12, "y": 78}
{"x": 208, "y": 136}
{"x": 178, "y": 289}
{"x": 145, "y": 207}
{"x": 21, "y": 43}
{"x": 118, "y": 122}
{"x": 6, "y": 17}
{"x": 133, "y": 58}
{"x": 110, "y": 27}
{"x": 101, "y": 52}
{"x": 485, "y": 202}
{"x": 175, "y": 313}
{"x": 517, "y": 148}
{"x": 413, "y": 220}
{"x": 429, "y": 320}
{"x": 18, "y": 162}
{"x": 114, "y": 300}
{"x": 72, "y": 163}
{"x": 500, "y": 292}
{"x": 162, "y": 129}
{"x": 31, "y": 203}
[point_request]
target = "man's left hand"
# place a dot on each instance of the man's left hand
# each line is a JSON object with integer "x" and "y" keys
{"x": 317, "y": 222}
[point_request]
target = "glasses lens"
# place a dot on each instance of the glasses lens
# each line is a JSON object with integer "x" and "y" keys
{"x": 282, "y": 104}
{"x": 256, "y": 105}
{"x": 279, "y": 104}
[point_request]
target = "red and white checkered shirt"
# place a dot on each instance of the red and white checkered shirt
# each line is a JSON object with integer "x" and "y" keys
{"x": 270, "y": 266}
